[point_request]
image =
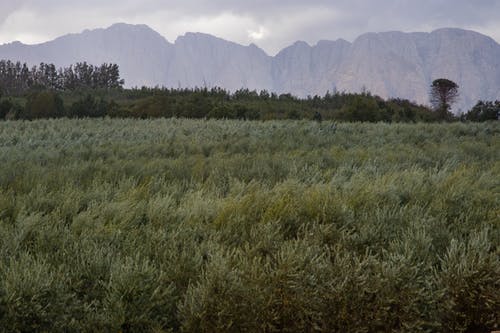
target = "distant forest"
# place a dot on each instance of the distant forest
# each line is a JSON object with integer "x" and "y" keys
{"x": 84, "y": 90}
{"x": 17, "y": 78}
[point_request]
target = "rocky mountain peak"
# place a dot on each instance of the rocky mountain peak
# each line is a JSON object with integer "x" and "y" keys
{"x": 389, "y": 64}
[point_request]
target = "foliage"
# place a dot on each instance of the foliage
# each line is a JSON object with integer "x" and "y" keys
{"x": 484, "y": 111}
{"x": 90, "y": 107}
{"x": 443, "y": 94}
{"x": 5, "y": 108}
{"x": 9, "y": 109}
{"x": 217, "y": 103}
{"x": 17, "y": 79}
{"x": 44, "y": 104}
{"x": 226, "y": 226}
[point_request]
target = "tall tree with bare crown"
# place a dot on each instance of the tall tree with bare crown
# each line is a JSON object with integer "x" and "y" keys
{"x": 443, "y": 94}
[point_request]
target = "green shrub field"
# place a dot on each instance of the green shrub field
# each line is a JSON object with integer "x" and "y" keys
{"x": 170, "y": 225}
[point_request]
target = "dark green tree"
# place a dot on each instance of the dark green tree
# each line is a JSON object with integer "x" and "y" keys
{"x": 5, "y": 107}
{"x": 44, "y": 104}
{"x": 89, "y": 107}
{"x": 484, "y": 111}
{"x": 17, "y": 79}
{"x": 443, "y": 94}
{"x": 222, "y": 112}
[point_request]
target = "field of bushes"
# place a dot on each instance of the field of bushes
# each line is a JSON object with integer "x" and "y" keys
{"x": 169, "y": 225}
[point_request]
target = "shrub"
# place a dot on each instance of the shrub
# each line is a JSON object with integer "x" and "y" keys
{"x": 89, "y": 107}
{"x": 470, "y": 279}
{"x": 171, "y": 225}
{"x": 44, "y": 104}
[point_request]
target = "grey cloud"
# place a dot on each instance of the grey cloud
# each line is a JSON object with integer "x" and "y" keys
{"x": 7, "y": 7}
{"x": 348, "y": 18}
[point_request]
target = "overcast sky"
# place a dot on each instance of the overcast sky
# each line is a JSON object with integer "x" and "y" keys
{"x": 271, "y": 24}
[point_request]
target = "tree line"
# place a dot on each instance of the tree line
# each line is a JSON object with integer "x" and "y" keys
{"x": 18, "y": 78}
{"x": 211, "y": 104}
{"x": 84, "y": 90}
{"x": 219, "y": 104}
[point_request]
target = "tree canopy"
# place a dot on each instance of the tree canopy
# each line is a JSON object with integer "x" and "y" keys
{"x": 17, "y": 78}
{"x": 484, "y": 111}
{"x": 443, "y": 94}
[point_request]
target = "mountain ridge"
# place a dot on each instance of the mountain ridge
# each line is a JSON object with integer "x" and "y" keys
{"x": 389, "y": 64}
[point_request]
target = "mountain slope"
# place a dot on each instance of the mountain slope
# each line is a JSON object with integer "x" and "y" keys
{"x": 389, "y": 64}
{"x": 308, "y": 70}
{"x": 142, "y": 53}
{"x": 204, "y": 60}
{"x": 396, "y": 64}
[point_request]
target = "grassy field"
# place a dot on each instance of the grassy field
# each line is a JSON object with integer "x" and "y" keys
{"x": 234, "y": 226}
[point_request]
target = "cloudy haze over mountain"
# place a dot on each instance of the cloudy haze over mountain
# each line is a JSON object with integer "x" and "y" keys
{"x": 256, "y": 45}
{"x": 389, "y": 64}
{"x": 272, "y": 25}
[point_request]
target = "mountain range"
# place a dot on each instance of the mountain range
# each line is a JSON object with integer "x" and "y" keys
{"x": 388, "y": 64}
